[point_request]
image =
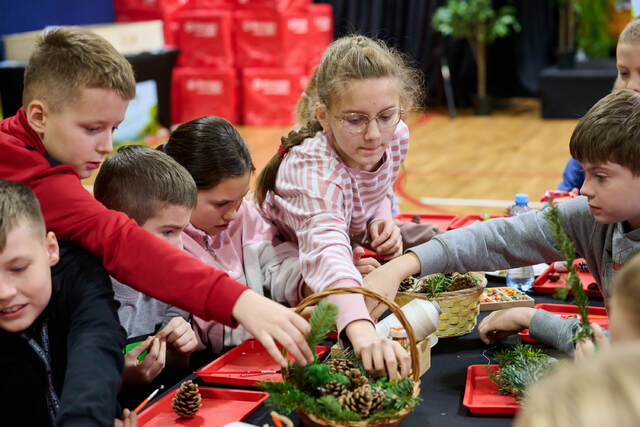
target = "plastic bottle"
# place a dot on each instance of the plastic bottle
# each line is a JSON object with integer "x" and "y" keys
{"x": 521, "y": 277}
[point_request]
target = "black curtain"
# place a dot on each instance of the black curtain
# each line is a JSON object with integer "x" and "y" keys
{"x": 513, "y": 63}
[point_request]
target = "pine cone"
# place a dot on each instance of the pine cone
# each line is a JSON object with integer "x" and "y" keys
{"x": 583, "y": 267}
{"x": 460, "y": 281}
{"x": 359, "y": 401}
{"x": 356, "y": 379}
{"x": 187, "y": 400}
{"x": 377, "y": 401}
{"x": 341, "y": 366}
{"x": 336, "y": 389}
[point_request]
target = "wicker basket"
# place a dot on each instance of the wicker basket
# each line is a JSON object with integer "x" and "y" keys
{"x": 312, "y": 420}
{"x": 459, "y": 308}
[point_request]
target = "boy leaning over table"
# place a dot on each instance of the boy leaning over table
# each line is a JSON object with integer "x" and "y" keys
{"x": 603, "y": 224}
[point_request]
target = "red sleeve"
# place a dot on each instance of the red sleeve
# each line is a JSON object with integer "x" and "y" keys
{"x": 131, "y": 254}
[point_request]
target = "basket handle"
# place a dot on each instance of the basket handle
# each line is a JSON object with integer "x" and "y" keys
{"x": 395, "y": 309}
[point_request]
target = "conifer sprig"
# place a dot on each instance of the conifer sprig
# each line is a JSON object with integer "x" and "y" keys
{"x": 568, "y": 252}
{"x": 322, "y": 320}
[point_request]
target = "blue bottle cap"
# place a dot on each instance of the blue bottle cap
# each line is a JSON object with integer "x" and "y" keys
{"x": 522, "y": 198}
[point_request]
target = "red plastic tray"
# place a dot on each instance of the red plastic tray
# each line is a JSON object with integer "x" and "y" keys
{"x": 481, "y": 395}
{"x": 248, "y": 356}
{"x": 443, "y": 220}
{"x": 219, "y": 407}
{"x": 465, "y": 220}
{"x": 596, "y": 315}
{"x": 545, "y": 286}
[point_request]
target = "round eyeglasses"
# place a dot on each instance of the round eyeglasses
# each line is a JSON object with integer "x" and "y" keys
{"x": 356, "y": 123}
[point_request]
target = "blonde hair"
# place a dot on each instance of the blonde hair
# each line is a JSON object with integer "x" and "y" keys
{"x": 625, "y": 288}
{"x": 67, "y": 59}
{"x": 347, "y": 59}
{"x": 631, "y": 32}
{"x": 601, "y": 391}
{"x": 18, "y": 204}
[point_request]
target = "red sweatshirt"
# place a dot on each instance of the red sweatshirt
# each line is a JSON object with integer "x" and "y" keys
{"x": 129, "y": 253}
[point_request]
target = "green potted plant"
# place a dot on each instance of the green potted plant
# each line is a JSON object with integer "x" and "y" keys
{"x": 480, "y": 24}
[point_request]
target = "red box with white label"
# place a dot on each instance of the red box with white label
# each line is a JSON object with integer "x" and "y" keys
{"x": 198, "y": 92}
{"x": 270, "y": 95}
{"x": 204, "y": 38}
{"x": 320, "y": 31}
{"x": 271, "y": 39}
{"x": 212, "y": 4}
{"x": 274, "y": 5}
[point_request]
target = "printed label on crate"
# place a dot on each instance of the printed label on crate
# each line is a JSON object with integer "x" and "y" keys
{"x": 272, "y": 87}
{"x": 298, "y": 25}
{"x": 205, "y": 87}
{"x": 323, "y": 23}
{"x": 201, "y": 29}
{"x": 260, "y": 28}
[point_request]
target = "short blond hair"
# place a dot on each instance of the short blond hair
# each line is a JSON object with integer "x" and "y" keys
{"x": 18, "y": 204}
{"x": 67, "y": 59}
{"x": 631, "y": 32}
{"x": 599, "y": 391}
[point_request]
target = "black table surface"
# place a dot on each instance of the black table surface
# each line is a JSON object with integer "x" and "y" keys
{"x": 442, "y": 386}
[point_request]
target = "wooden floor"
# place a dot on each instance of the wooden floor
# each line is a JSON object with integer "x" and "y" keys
{"x": 482, "y": 160}
{"x": 469, "y": 164}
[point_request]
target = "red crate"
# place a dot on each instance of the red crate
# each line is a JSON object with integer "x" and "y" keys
{"x": 213, "y": 4}
{"x": 270, "y": 95}
{"x": 204, "y": 38}
{"x": 320, "y": 31}
{"x": 198, "y": 92}
{"x": 147, "y": 10}
{"x": 274, "y": 5}
{"x": 271, "y": 39}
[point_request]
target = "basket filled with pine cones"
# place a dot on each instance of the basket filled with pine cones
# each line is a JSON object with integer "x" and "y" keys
{"x": 338, "y": 391}
{"x": 458, "y": 296}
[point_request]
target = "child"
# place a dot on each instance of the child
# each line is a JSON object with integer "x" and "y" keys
{"x": 226, "y": 231}
{"x": 61, "y": 358}
{"x": 330, "y": 185}
{"x": 76, "y": 91}
{"x": 603, "y": 226}
{"x": 591, "y": 393}
{"x": 156, "y": 192}
{"x": 628, "y": 65}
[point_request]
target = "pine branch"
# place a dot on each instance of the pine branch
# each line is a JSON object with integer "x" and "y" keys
{"x": 568, "y": 252}
{"x": 322, "y": 320}
{"x": 520, "y": 367}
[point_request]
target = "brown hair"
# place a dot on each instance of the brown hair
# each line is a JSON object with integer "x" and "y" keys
{"x": 67, "y": 59}
{"x": 349, "y": 58}
{"x": 610, "y": 131}
{"x": 139, "y": 180}
{"x": 625, "y": 288}
{"x": 18, "y": 203}
{"x": 211, "y": 149}
{"x": 599, "y": 391}
{"x": 631, "y": 32}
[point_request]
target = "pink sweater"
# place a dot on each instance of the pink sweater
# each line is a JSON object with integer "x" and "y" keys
{"x": 326, "y": 207}
{"x": 249, "y": 251}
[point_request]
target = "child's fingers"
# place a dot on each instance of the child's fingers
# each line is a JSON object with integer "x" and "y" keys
{"x": 366, "y": 358}
{"x": 404, "y": 358}
{"x": 141, "y": 348}
{"x": 162, "y": 352}
{"x": 599, "y": 336}
{"x": 382, "y": 236}
{"x": 358, "y": 253}
{"x": 378, "y": 357}
{"x": 390, "y": 362}
{"x": 269, "y": 345}
{"x": 296, "y": 339}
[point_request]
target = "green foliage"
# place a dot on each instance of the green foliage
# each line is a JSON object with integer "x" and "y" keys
{"x": 568, "y": 252}
{"x": 322, "y": 320}
{"x": 475, "y": 20}
{"x": 438, "y": 283}
{"x": 308, "y": 381}
{"x": 520, "y": 367}
{"x": 592, "y": 28}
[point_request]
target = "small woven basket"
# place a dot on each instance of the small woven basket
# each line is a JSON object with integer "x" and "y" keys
{"x": 460, "y": 309}
{"x": 313, "y": 420}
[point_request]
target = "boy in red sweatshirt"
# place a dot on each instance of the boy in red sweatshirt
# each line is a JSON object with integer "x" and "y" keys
{"x": 76, "y": 91}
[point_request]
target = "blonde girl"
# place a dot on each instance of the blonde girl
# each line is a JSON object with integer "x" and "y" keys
{"x": 329, "y": 187}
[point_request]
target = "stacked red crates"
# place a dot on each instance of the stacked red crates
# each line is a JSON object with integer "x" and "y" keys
{"x": 245, "y": 60}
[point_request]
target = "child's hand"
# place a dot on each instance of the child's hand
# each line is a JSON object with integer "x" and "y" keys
{"x": 502, "y": 323}
{"x": 378, "y": 355}
{"x": 144, "y": 372}
{"x": 585, "y": 348}
{"x": 179, "y": 335}
{"x": 364, "y": 265}
{"x": 267, "y": 321}
{"x": 129, "y": 419}
{"x": 386, "y": 239}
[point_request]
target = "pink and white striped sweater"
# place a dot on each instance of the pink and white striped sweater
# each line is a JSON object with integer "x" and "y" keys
{"x": 326, "y": 207}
